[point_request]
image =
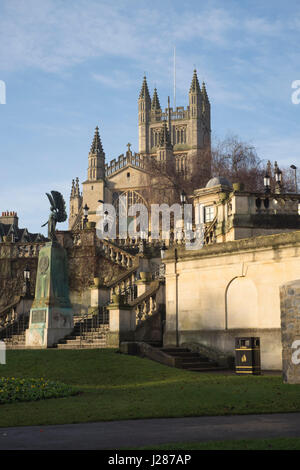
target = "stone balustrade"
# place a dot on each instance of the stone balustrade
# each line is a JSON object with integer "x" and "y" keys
{"x": 125, "y": 285}
{"x": 20, "y": 250}
{"x": 146, "y": 308}
{"x": 116, "y": 254}
{"x": 123, "y": 160}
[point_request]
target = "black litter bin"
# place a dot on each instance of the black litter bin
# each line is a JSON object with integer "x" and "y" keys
{"x": 247, "y": 356}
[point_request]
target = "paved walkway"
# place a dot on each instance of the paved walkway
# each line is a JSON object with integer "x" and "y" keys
{"x": 145, "y": 432}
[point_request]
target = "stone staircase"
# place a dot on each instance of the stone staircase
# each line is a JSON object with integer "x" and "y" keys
{"x": 183, "y": 358}
{"x": 89, "y": 333}
{"x": 13, "y": 335}
{"x": 16, "y": 341}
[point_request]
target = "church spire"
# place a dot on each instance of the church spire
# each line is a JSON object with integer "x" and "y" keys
{"x": 73, "y": 189}
{"x": 195, "y": 87}
{"x": 77, "y": 189}
{"x": 96, "y": 146}
{"x": 144, "y": 94}
{"x": 144, "y": 117}
{"x": 204, "y": 92}
{"x": 96, "y": 168}
{"x": 155, "y": 105}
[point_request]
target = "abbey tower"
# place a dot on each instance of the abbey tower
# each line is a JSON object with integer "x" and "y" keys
{"x": 178, "y": 136}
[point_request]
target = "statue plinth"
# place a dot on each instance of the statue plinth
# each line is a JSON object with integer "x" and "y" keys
{"x": 51, "y": 315}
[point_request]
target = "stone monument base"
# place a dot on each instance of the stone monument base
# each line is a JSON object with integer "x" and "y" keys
{"x": 51, "y": 314}
{"x": 47, "y": 326}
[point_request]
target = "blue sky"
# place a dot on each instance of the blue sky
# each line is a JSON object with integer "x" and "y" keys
{"x": 70, "y": 65}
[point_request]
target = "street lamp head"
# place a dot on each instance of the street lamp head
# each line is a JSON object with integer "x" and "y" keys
{"x": 26, "y": 273}
{"x": 278, "y": 176}
{"x": 267, "y": 181}
{"x": 86, "y": 210}
{"x": 293, "y": 167}
{"x": 163, "y": 251}
{"x": 183, "y": 197}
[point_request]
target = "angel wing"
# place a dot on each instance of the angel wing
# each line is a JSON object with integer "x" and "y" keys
{"x": 60, "y": 206}
{"x": 52, "y": 203}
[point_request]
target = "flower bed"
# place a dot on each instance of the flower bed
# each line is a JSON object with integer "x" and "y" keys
{"x": 15, "y": 389}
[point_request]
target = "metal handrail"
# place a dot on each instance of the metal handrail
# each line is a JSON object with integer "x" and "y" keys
{"x": 15, "y": 327}
{"x": 91, "y": 321}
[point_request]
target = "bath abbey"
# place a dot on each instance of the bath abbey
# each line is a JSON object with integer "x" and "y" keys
{"x": 173, "y": 138}
{"x": 155, "y": 296}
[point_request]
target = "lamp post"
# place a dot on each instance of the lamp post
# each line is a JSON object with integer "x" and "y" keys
{"x": 267, "y": 183}
{"x": 85, "y": 213}
{"x": 183, "y": 197}
{"x": 183, "y": 200}
{"x": 293, "y": 167}
{"x": 163, "y": 251}
{"x": 176, "y": 300}
{"x": 278, "y": 179}
{"x": 26, "y": 285}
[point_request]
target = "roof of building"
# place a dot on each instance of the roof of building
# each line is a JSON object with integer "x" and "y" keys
{"x": 19, "y": 234}
{"x": 218, "y": 180}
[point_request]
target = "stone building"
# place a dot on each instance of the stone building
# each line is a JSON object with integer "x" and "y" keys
{"x": 200, "y": 299}
{"x": 10, "y": 231}
{"x": 176, "y": 137}
{"x": 230, "y": 213}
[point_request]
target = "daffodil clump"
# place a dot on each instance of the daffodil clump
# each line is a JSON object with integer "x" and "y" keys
{"x": 14, "y": 389}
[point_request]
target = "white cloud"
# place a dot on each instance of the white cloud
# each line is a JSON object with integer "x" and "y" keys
{"x": 53, "y": 35}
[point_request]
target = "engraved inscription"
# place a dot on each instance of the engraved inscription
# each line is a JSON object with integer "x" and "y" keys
{"x": 38, "y": 316}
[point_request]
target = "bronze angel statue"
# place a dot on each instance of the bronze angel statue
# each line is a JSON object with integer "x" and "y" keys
{"x": 57, "y": 213}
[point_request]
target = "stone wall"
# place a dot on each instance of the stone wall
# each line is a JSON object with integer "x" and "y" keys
{"x": 290, "y": 331}
{"x": 12, "y": 269}
{"x": 85, "y": 261}
{"x": 231, "y": 289}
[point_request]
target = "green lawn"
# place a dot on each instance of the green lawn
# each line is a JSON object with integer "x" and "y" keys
{"x": 115, "y": 386}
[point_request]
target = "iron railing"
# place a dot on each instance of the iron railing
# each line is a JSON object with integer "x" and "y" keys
{"x": 14, "y": 328}
{"x": 90, "y": 324}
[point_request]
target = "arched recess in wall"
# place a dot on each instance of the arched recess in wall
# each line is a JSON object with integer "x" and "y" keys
{"x": 242, "y": 308}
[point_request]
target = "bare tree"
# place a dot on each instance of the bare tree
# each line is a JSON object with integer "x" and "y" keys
{"x": 167, "y": 179}
{"x": 231, "y": 158}
{"x": 238, "y": 162}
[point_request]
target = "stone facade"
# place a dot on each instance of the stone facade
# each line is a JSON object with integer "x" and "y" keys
{"x": 229, "y": 213}
{"x": 170, "y": 136}
{"x": 230, "y": 289}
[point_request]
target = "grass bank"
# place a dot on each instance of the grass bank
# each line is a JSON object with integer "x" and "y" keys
{"x": 117, "y": 387}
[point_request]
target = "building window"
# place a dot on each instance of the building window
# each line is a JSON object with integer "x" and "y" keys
{"x": 209, "y": 212}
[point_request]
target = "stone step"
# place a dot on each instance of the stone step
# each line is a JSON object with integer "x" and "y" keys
{"x": 170, "y": 351}
{"x": 192, "y": 361}
{"x": 206, "y": 369}
{"x": 82, "y": 346}
{"x": 184, "y": 355}
{"x": 83, "y": 337}
{"x": 198, "y": 364}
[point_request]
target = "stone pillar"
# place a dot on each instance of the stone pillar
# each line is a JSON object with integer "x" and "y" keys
{"x": 122, "y": 324}
{"x": 99, "y": 296}
{"x": 290, "y": 331}
{"x": 51, "y": 315}
{"x": 143, "y": 285}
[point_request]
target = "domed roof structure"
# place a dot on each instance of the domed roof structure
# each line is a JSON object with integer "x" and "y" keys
{"x": 217, "y": 180}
